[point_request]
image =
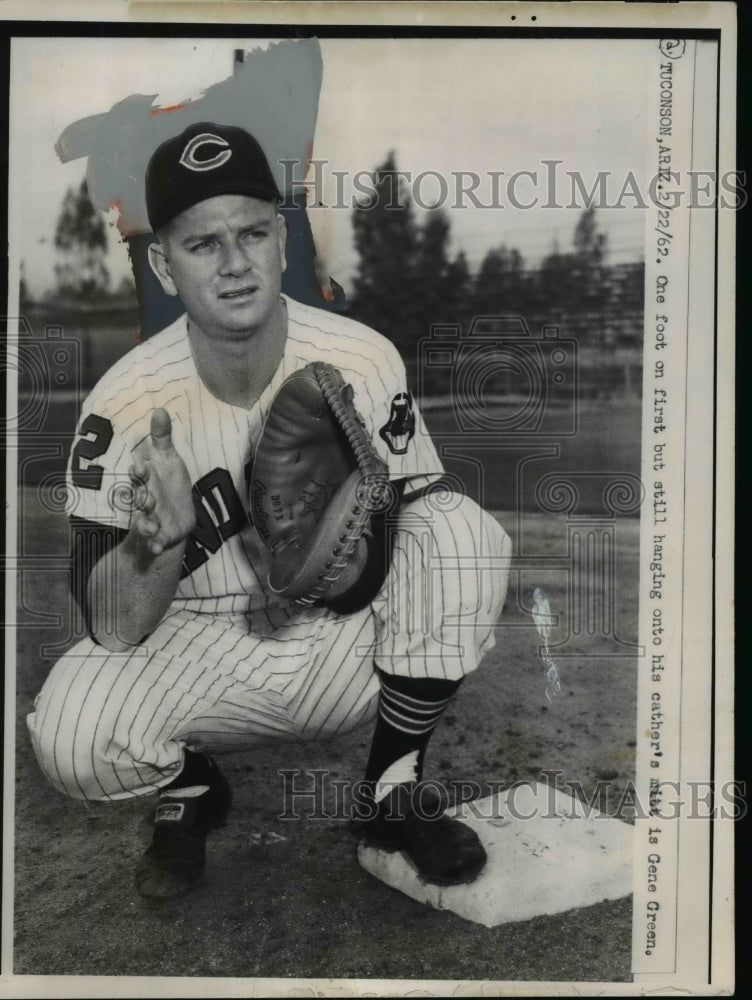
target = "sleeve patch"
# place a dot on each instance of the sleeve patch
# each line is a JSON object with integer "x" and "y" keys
{"x": 399, "y": 430}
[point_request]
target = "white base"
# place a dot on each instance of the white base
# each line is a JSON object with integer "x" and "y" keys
{"x": 560, "y": 859}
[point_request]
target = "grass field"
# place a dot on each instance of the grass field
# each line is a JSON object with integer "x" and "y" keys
{"x": 306, "y": 909}
{"x": 502, "y": 470}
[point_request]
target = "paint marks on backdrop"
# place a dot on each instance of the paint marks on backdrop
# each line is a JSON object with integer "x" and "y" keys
{"x": 273, "y": 94}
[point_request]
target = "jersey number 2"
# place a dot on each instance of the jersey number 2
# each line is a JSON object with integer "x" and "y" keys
{"x": 99, "y": 435}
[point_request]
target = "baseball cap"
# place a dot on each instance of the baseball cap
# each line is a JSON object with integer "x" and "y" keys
{"x": 203, "y": 161}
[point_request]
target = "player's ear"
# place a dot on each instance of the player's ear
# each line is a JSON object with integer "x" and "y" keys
{"x": 282, "y": 239}
{"x": 160, "y": 265}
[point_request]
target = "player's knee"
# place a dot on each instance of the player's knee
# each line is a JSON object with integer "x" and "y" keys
{"x": 63, "y": 741}
{"x": 68, "y": 757}
{"x": 452, "y": 538}
{"x": 452, "y": 525}
{"x": 500, "y": 545}
{"x": 54, "y": 756}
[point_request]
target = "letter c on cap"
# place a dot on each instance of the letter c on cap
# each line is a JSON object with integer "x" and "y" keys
{"x": 188, "y": 157}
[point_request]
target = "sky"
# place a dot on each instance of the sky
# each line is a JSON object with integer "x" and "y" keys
{"x": 443, "y": 105}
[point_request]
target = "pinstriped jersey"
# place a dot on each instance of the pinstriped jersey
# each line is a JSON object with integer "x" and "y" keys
{"x": 225, "y": 562}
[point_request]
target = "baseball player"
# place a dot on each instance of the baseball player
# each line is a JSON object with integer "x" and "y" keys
{"x": 189, "y": 653}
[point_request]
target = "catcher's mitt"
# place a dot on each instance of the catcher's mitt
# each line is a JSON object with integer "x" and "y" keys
{"x": 316, "y": 482}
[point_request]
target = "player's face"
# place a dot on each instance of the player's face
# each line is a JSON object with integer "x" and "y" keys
{"x": 224, "y": 257}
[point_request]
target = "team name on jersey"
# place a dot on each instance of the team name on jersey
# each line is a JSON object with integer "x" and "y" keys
{"x": 220, "y": 514}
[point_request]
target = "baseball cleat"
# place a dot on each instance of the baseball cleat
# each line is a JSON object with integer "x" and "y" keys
{"x": 444, "y": 850}
{"x": 174, "y": 862}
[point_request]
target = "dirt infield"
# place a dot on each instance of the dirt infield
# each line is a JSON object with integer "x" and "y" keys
{"x": 300, "y": 906}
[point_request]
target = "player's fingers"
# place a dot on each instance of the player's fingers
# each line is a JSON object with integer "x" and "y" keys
{"x": 152, "y": 536}
{"x": 147, "y": 501}
{"x": 139, "y": 495}
{"x": 161, "y": 429}
{"x": 147, "y": 526}
{"x": 138, "y": 473}
{"x": 139, "y": 491}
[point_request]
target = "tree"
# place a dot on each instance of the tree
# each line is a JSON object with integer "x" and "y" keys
{"x": 556, "y": 283}
{"x": 386, "y": 239}
{"x": 576, "y": 282}
{"x": 126, "y": 289}
{"x": 590, "y": 253}
{"x": 436, "y": 300}
{"x": 459, "y": 288}
{"x": 501, "y": 284}
{"x": 589, "y": 244}
{"x": 458, "y": 275}
{"x": 81, "y": 241}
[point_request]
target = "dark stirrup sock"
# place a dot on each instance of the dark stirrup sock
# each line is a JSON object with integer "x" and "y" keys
{"x": 201, "y": 779}
{"x": 198, "y": 769}
{"x": 409, "y": 710}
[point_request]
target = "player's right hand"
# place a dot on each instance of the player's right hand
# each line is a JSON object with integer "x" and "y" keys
{"x": 163, "y": 501}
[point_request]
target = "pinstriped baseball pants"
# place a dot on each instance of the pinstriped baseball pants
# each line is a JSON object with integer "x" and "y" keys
{"x": 113, "y": 725}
